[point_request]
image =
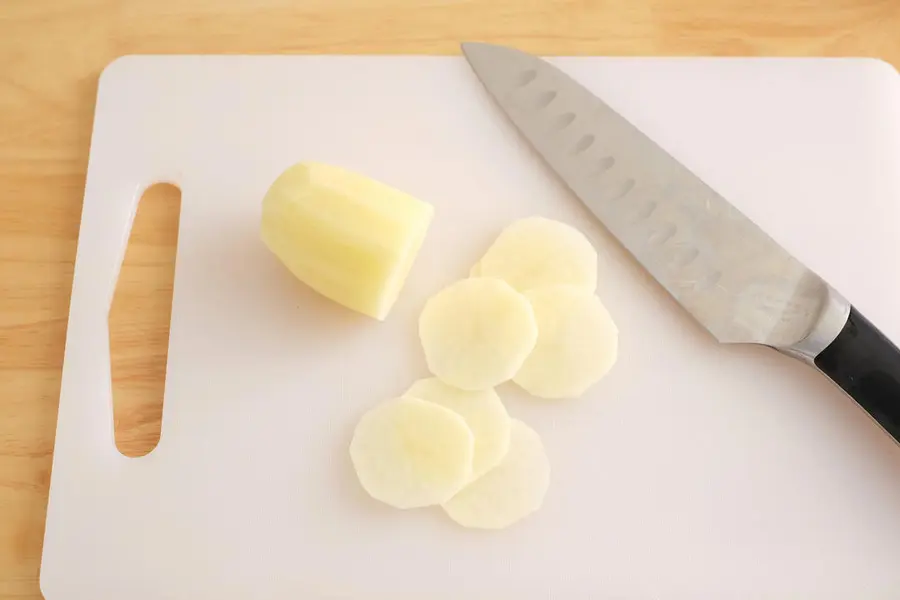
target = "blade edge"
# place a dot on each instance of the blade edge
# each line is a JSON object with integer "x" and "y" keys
{"x": 731, "y": 276}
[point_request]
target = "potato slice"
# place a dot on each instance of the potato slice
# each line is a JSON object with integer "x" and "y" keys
{"x": 350, "y": 238}
{"x": 475, "y": 271}
{"x": 410, "y": 453}
{"x": 511, "y": 491}
{"x": 577, "y": 343}
{"x": 476, "y": 333}
{"x": 537, "y": 252}
{"x": 483, "y": 412}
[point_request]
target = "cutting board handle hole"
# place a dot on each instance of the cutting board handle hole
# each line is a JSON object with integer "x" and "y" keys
{"x": 139, "y": 321}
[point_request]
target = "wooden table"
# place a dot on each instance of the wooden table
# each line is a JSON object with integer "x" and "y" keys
{"x": 51, "y": 52}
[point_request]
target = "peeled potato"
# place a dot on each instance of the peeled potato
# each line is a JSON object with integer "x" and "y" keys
{"x": 483, "y": 412}
{"x": 476, "y": 333}
{"x": 410, "y": 453}
{"x": 511, "y": 491}
{"x": 537, "y": 252}
{"x": 577, "y": 343}
{"x": 350, "y": 238}
{"x": 475, "y": 271}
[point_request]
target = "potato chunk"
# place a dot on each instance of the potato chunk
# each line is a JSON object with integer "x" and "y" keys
{"x": 483, "y": 412}
{"x": 537, "y": 252}
{"x": 510, "y": 491}
{"x": 577, "y": 343}
{"x": 476, "y": 333}
{"x": 350, "y": 238}
{"x": 410, "y": 453}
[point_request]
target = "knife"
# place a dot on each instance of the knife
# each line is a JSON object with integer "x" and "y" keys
{"x": 734, "y": 279}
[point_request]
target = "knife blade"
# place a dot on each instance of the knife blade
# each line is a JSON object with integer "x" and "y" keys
{"x": 732, "y": 277}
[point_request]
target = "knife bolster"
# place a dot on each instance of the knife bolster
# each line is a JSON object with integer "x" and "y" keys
{"x": 831, "y": 322}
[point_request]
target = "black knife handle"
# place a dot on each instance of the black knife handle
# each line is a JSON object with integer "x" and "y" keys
{"x": 866, "y": 365}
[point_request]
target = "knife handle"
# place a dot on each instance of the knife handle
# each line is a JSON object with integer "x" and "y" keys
{"x": 866, "y": 365}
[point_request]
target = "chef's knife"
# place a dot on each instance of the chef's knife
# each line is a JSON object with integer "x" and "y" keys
{"x": 733, "y": 278}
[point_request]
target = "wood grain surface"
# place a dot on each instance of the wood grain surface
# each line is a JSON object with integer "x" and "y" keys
{"x": 51, "y": 53}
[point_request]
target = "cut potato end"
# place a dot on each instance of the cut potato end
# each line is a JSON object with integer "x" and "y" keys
{"x": 577, "y": 343}
{"x": 350, "y": 238}
{"x": 410, "y": 453}
{"x": 537, "y": 252}
{"x": 511, "y": 491}
{"x": 483, "y": 412}
{"x": 476, "y": 333}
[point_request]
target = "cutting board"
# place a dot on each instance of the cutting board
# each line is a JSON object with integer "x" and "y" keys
{"x": 692, "y": 471}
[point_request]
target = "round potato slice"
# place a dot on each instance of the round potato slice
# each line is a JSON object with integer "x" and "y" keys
{"x": 537, "y": 252}
{"x": 509, "y": 492}
{"x": 410, "y": 453}
{"x": 476, "y": 333}
{"x": 483, "y": 412}
{"x": 577, "y": 343}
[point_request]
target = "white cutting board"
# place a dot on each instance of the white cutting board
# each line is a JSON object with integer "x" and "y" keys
{"x": 692, "y": 471}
